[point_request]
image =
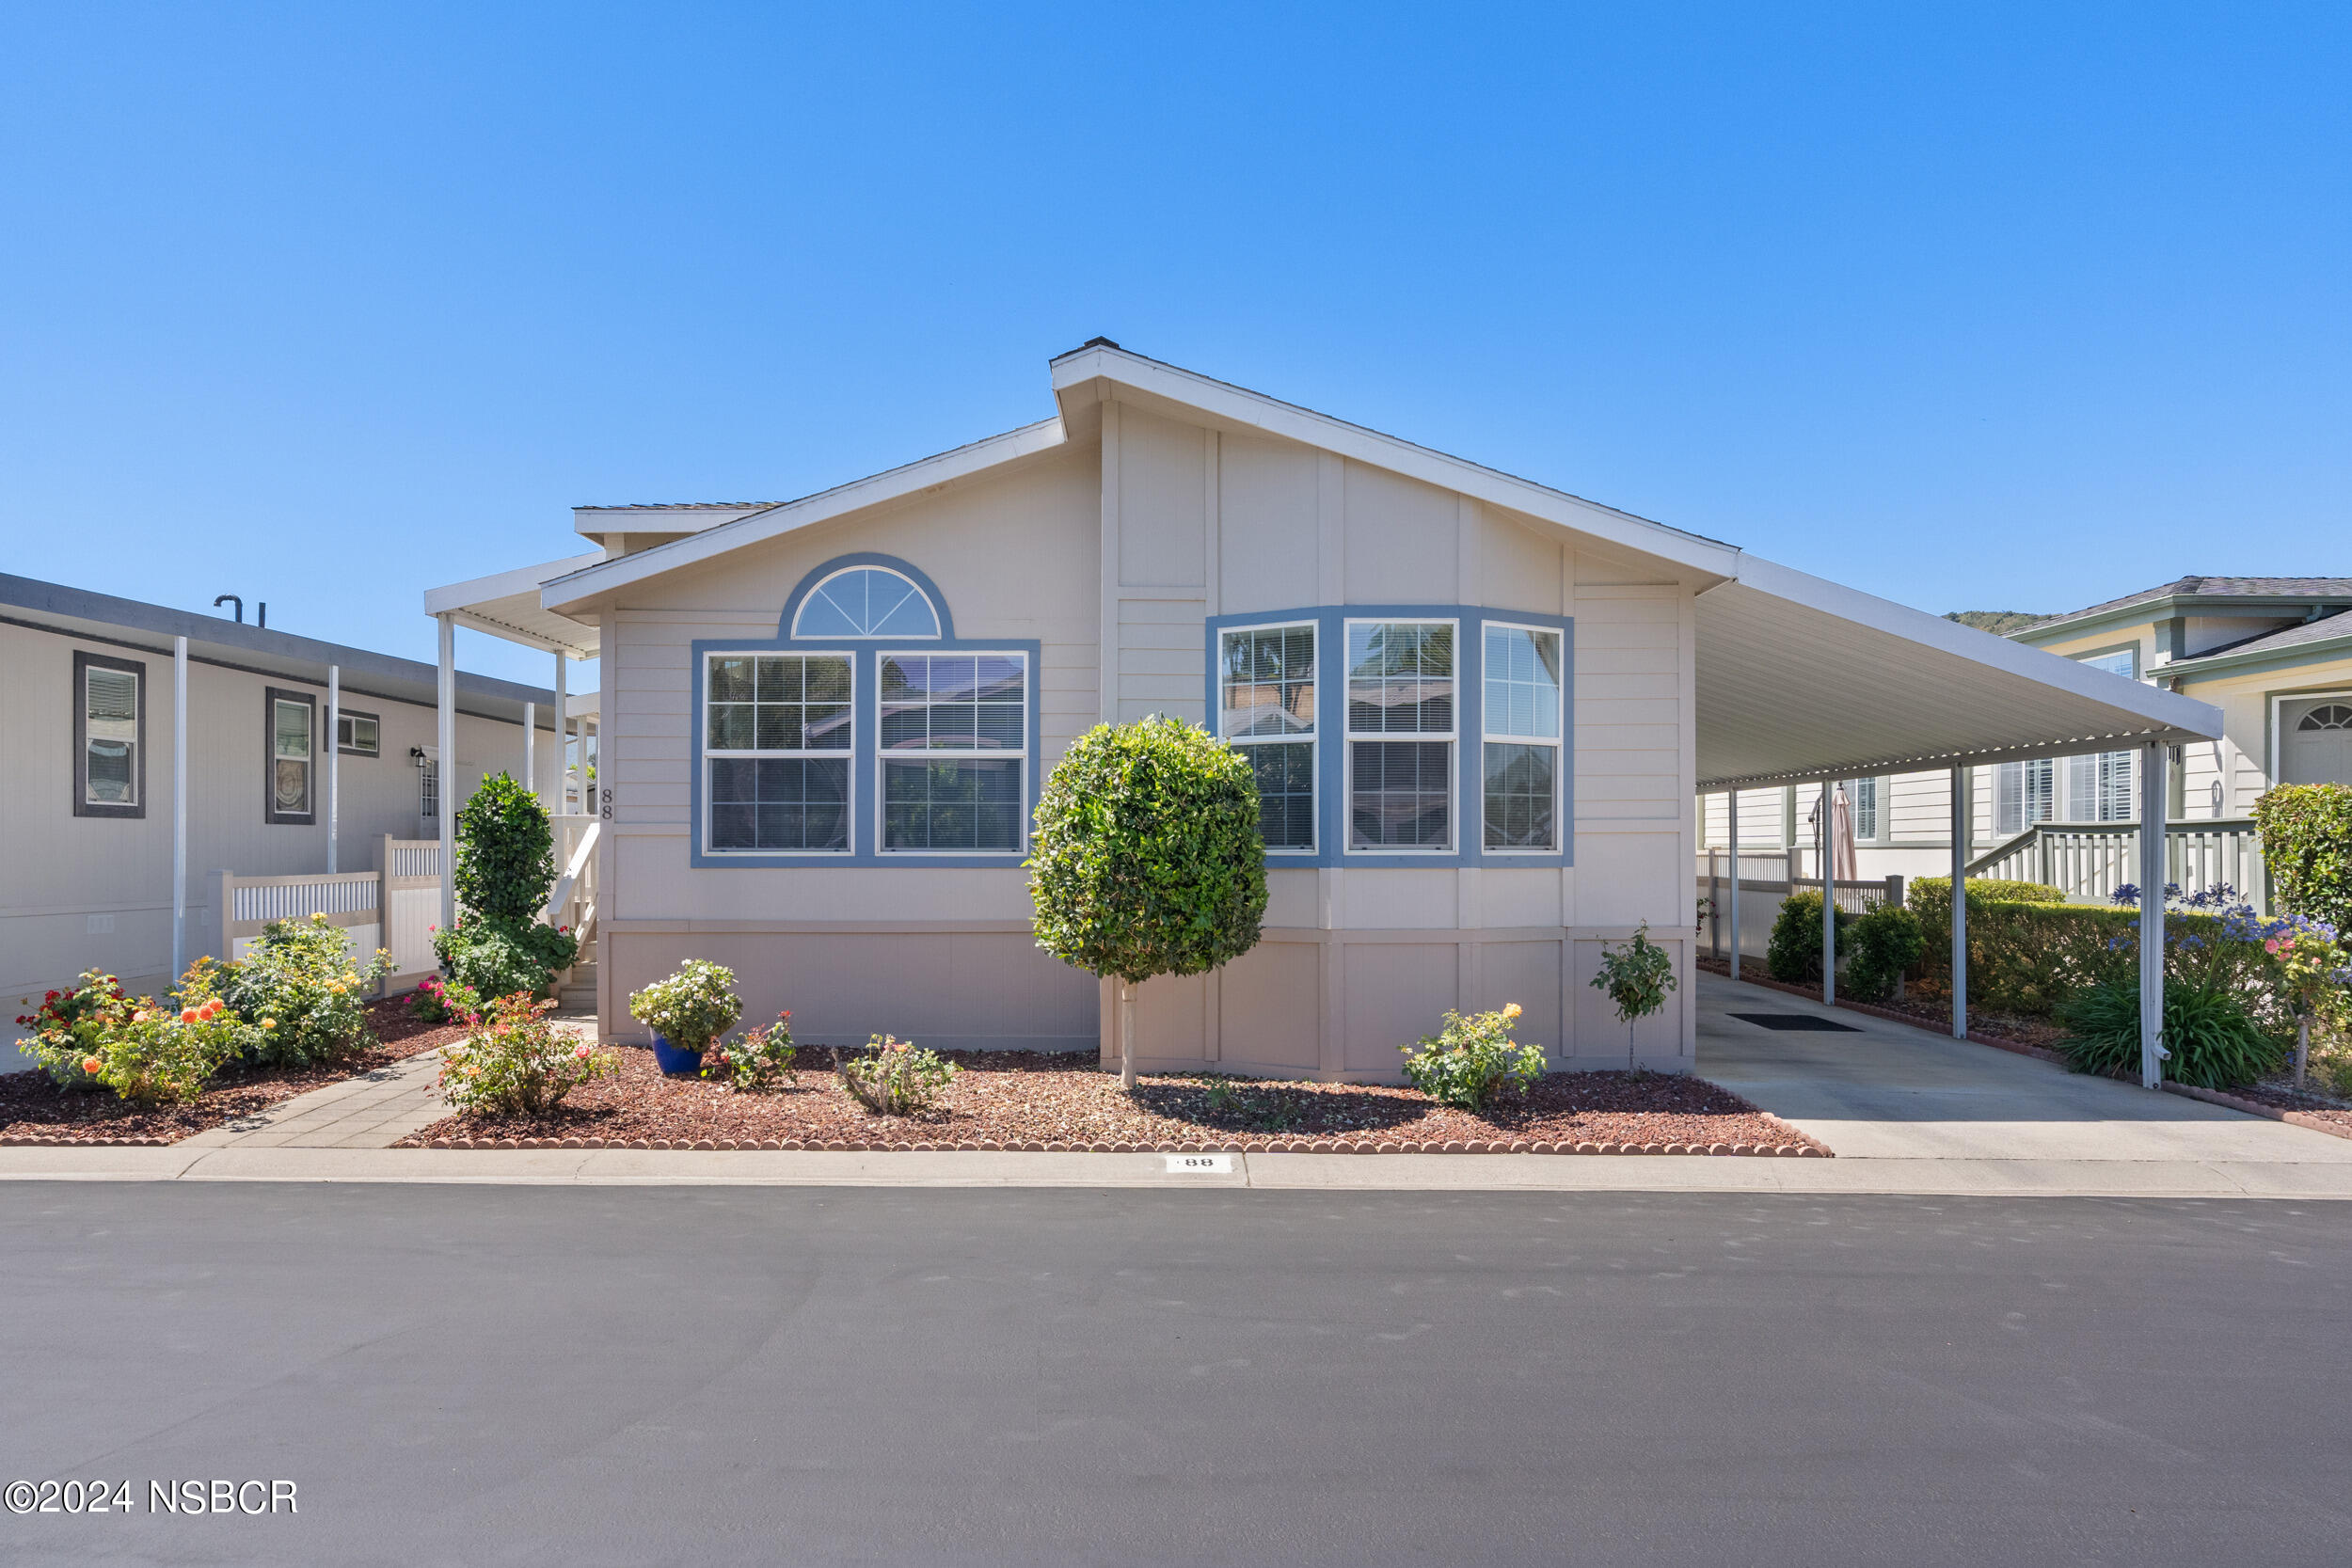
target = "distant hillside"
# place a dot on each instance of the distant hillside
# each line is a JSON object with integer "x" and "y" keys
{"x": 2000, "y": 623}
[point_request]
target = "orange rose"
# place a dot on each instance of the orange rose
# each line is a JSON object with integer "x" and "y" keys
{"x": 91, "y": 1065}
{"x": 189, "y": 1014}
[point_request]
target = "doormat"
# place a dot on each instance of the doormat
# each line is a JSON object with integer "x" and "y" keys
{"x": 1797, "y": 1020}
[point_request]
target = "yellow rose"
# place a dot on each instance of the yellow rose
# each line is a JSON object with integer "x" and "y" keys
{"x": 269, "y": 1024}
{"x": 1510, "y": 1010}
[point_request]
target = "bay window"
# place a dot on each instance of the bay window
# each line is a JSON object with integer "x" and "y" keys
{"x": 1266, "y": 709}
{"x": 1400, "y": 735}
{"x": 1522, "y": 722}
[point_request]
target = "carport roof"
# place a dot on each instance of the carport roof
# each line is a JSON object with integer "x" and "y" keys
{"x": 1802, "y": 678}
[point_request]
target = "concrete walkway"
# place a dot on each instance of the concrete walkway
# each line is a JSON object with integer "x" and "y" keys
{"x": 374, "y": 1110}
{"x": 1879, "y": 1091}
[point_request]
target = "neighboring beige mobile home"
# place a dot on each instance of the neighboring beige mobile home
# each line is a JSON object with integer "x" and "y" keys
{"x": 1480, "y": 711}
{"x": 87, "y": 756}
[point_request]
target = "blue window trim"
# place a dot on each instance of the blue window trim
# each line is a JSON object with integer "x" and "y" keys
{"x": 1470, "y": 747}
{"x": 864, "y": 762}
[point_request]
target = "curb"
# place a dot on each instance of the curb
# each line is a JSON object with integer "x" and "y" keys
{"x": 2256, "y": 1108}
{"x": 1250, "y": 1146}
{"x": 51, "y": 1141}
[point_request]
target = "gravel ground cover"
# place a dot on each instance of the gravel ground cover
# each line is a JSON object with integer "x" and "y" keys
{"x": 1053, "y": 1100}
{"x": 34, "y": 1110}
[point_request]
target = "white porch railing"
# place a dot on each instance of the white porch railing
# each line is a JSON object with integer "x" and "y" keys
{"x": 573, "y": 899}
{"x": 396, "y": 906}
{"x": 1764, "y": 885}
{"x": 2088, "y": 861}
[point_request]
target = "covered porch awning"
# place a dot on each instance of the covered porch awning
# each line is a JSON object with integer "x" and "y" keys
{"x": 1798, "y": 679}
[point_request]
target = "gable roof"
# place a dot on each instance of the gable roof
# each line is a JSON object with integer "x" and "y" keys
{"x": 2207, "y": 588}
{"x": 2310, "y": 637}
{"x": 1084, "y": 378}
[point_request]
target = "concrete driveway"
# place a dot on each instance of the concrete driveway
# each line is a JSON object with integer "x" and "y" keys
{"x": 1885, "y": 1091}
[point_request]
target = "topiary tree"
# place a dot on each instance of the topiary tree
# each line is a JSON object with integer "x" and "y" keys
{"x": 2307, "y": 845}
{"x": 505, "y": 851}
{"x": 1146, "y": 859}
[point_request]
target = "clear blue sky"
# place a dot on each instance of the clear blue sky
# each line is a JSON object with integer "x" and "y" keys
{"x": 1978, "y": 308}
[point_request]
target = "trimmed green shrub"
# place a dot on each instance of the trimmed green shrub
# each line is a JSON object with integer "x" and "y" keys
{"x": 2001, "y": 890}
{"x": 2025, "y": 957}
{"x": 2307, "y": 843}
{"x": 495, "y": 958}
{"x": 1794, "y": 952}
{"x": 1637, "y": 976}
{"x": 2216, "y": 1040}
{"x": 1146, "y": 859}
{"x": 1474, "y": 1061}
{"x": 506, "y": 852}
{"x": 1886, "y": 940}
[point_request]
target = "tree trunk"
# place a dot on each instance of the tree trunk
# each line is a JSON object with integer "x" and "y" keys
{"x": 1126, "y": 1036}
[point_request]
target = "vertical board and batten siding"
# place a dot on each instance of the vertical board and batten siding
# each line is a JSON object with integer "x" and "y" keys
{"x": 947, "y": 956}
{"x": 1357, "y": 961}
{"x": 80, "y": 892}
{"x": 1112, "y": 558}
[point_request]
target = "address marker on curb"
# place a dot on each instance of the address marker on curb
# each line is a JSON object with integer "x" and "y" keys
{"x": 1199, "y": 1164}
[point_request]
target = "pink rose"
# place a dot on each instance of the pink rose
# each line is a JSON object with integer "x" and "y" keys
{"x": 583, "y": 1051}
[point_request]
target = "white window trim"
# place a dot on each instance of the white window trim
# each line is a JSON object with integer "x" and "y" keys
{"x": 1453, "y": 737}
{"x": 1557, "y": 740}
{"x": 347, "y": 717}
{"x": 705, "y": 752}
{"x": 938, "y": 621}
{"x": 1313, "y": 739}
{"x": 883, "y": 758}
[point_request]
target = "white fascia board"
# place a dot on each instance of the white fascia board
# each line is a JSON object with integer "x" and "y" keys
{"x": 600, "y": 575}
{"x": 503, "y": 585}
{"x": 1240, "y": 406}
{"x": 2162, "y": 709}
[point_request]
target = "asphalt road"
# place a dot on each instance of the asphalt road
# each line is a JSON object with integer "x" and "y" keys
{"x": 550, "y": 1376}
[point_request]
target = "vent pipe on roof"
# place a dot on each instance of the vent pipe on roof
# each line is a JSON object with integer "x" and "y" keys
{"x": 232, "y": 598}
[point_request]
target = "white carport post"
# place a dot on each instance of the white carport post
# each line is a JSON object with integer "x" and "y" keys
{"x": 1732, "y": 800}
{"x": 1829, "y": 895}
{"x": 531, "y": 747}
{"x": 334, "y": 760}
{"x": 446, "y": 764}
{"x": 2152, "y": 801}
{"x": 563, "y": 737}
{"x": 180, "y": 809}
{"x": 1963, "y": 810}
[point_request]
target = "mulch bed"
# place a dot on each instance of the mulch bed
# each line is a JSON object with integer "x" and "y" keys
{"x": 33, "y": 1110}
{"x": 2281, "y": 1095}
{"x": 1042, "y": 1102}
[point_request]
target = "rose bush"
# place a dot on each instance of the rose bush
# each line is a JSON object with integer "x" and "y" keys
{"x": 514, "y": 1061}
{"x": 1474, "y": 1061}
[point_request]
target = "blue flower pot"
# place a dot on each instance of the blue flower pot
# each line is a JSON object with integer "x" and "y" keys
{"x": 674, "y": 1060}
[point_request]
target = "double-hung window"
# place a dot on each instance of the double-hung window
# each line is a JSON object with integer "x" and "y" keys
{"x": 1400, "y": 735}
{"x": 110, "y": 759}
{"x": 292, "y": 718}
{"x": 776, "y": 743}
{"x": 1868, "y": 810}
{"x": 1267, "y": 708}
{"x": 1521, "y": 718}
{"x": 358, "y": 734}
{"x": 955, "y": 735}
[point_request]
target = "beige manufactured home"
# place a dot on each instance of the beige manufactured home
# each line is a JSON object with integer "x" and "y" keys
{"x": 1480, "y": 711}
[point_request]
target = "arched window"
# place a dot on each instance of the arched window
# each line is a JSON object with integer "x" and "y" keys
{"x": 866, "y": 601}
{"x": 2329, "y": 716}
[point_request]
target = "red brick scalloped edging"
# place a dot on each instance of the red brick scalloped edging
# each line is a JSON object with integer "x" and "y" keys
{"x": 56, "y": 1140}
{"x": 1250, "y": 1146}
{"x": 2256, "y": 1108}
